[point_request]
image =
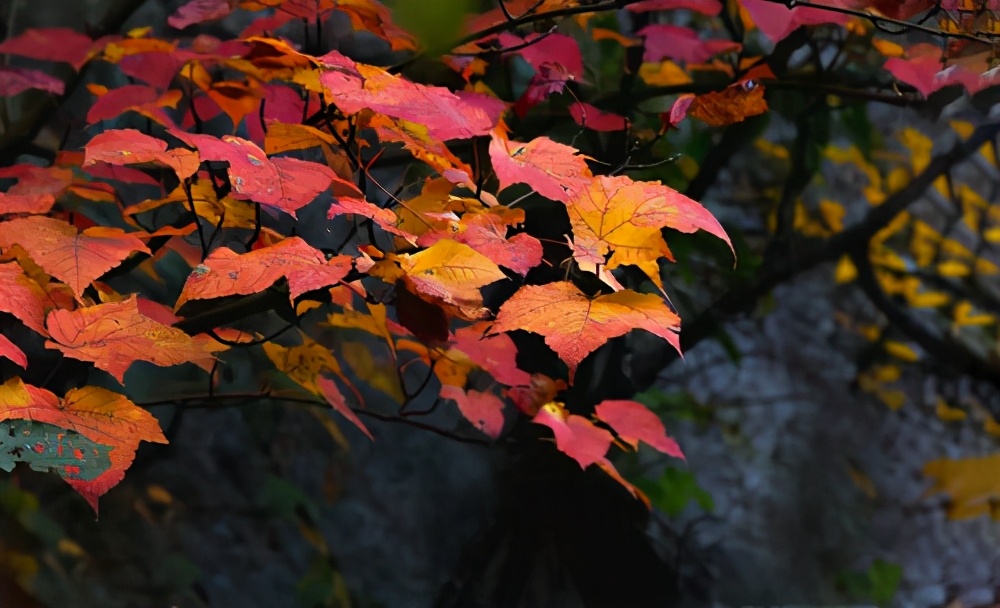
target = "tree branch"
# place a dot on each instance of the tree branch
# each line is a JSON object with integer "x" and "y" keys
{"x": 949, "y": 353}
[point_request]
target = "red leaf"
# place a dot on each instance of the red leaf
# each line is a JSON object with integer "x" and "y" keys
{"x": 559, "y": 52}
{"x": 75, "y": 259}
{"x": 199, "y": 11}
{"x": 22, "y": 297}
{"x": 336, "y": 399}
{"x": 144, "y": 100}
{"x": 576, "y": 436}
{"x": 574, "y": 325}
{"x": 554, "y": 170}
{"x": 18, "y": 80}
{"x": 922, "y": 69}
{"x": 597, "y": 119}
{"x": 25, "y": 203}
{"x": 483, "y": 410}
{"x": 383, "y": 218}
{"x": 227, "y": 273}
{"x": 777, "y": 20}
{"x": 633, "y": 422}
{"x": 682, "y": 44}
{"x": 496, "y": 354}
{"x": 113, "y": 336}
{"x": 11, "y": 351}
{"x": 446, "y": 115}
{"x": 705, "y": 7}
{"x": 50, "y": 44}
{"x": 131, "y": 147}
{"x": 285, "y": 183}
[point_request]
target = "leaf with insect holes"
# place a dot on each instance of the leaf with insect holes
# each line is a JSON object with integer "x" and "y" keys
{"x": 96, "y": 413}
{"x": 115, "y": 335}
{"x": 576, "y": 436}
{"x": 575, "y": 326}
{"x": 227, "y": 273}
{"x": 76, "y": 259}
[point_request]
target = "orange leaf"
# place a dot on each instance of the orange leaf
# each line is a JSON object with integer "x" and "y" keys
{"x": 732, "y": 104}
{"x": 112, "y": 336}
{"x": 624, "y": 218}
{"x": 22, "y": 297}
{"x": 554, "y": 170}
{"x": 226, "y": 273}
{"x": 11, "y": 351}
{"x": 574, "y": 325}
{"x": 450, "y": 274}
{"x": 73, "y": 258}
{"x": 96, "y": 413}
{"x": 328, "y": 388}
{"x": 131, "y": 147}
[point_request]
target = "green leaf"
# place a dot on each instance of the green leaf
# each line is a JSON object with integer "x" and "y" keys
{"x": 49, "y": 448}
{"x": 672, "y": 492}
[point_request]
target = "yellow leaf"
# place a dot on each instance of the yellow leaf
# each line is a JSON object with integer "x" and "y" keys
{"x": 845, "y": 272}
{"x": 895, "y": 399}
{"x": 920, "y": 147}
{"x": 303, "y": 363}
{"x": 963, "y": 315}
{"x": 901, "y": 351}
{"x": 953, "y": 268}
{"x": 948, "y": 413}
{"x": 663, "y": 74}
{"x": 887, "y": 48}
{"x": 833, "y": 214}
{"x": 928, "y": 299}
{"x": 972, "y": 483}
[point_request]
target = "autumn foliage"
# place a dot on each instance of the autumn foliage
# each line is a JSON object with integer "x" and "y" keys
{"x": 365, "y": 233}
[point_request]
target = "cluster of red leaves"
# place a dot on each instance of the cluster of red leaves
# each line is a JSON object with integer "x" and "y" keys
{"x": 307, "y": 130}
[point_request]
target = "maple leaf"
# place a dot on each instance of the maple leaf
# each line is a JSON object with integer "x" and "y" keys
{"x": 595, "y": 118}
{"x": 450, "y": 274}
{"x": 304, "y": 362}
{"x": 633, "y": 422}
{"x": 226, "y": 273}
{"x": 531, "y": 397}
{"x": 733, "y": 104}
{"x": 777, "y": 20}
{"x": 383, "y": 218}
{"x": 76, "y": 259}
{"x": 575, "y": 436}
{"x": 18, "y": 80}
{"x": 114, "y": 335}
{"x": 485, "y": 231}
{"x": 328, "y": 388}
{"x": 447, "y": 115}
{"x": 22, "y": 297}
{"x": 484, "y": 410}
{"x": 96, "y": 413}
{"x": 131, "y": 147}
{"x": 682, "y": 44}
{"x": 574, "y": 325}
{"x": 554, "y": 170}
{"x": 618, "y": 216}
